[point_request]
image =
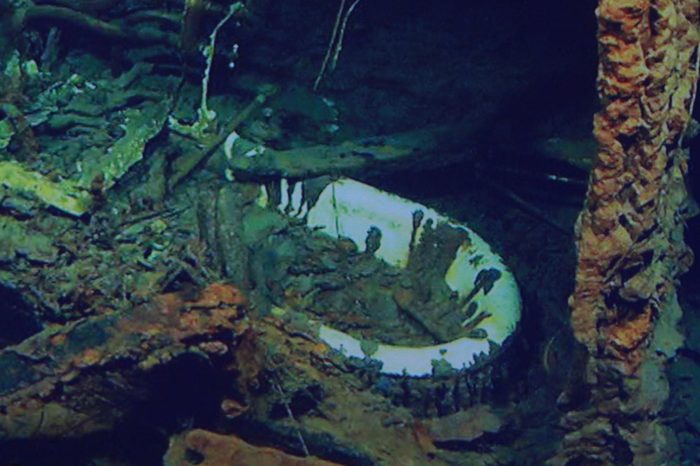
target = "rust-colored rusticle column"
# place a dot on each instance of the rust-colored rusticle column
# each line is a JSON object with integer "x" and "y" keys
{"x": 630, "y": 233}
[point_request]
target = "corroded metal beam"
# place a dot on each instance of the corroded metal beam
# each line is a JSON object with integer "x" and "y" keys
{"x": 630, "y": 232}
{"x": 83, "y": 377}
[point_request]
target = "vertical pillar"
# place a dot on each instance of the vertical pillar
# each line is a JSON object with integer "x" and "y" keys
{"x": 630, "y": 232}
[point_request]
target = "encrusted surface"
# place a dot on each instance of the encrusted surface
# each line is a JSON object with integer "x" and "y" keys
{"x": 60, "y": 382}
{"x": 630, "y": 232}
{"x": 221, "y": 449}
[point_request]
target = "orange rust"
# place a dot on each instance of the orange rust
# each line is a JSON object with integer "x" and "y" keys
{"x": 629, "y": 233}
{"x": 221, "y": 449}
{"x": 321, "y": 349}
{"x": 58, "y": 339}
{"x": 89, "y": 357}
{"x": 421, "y": 433}
{"x": 644, "y": 81}
{"x": 627, "y": 335}
{"x": 219, "y": 294}
{"x": 169, "y": 303}
{"x": 190, "y": 320}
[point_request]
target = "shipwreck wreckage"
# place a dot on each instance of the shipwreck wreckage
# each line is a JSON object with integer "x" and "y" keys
{"x": 162, "y": 264}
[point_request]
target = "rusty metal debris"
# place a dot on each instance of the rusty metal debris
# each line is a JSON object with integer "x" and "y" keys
{"x": 217, "y": 450}
{"x": 65, "y": 381}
